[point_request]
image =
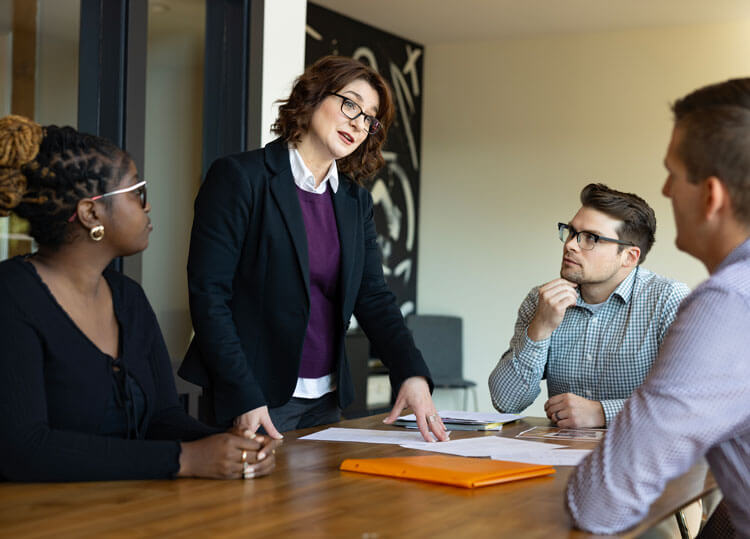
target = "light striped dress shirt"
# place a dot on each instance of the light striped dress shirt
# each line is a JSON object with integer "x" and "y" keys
{"x": 600, "y": 354}
{"x": 694, "y": 403}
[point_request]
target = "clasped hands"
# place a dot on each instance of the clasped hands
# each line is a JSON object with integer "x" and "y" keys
{"x": 234, "y": 454}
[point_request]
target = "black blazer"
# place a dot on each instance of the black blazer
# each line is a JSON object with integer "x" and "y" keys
{"x": 248, "y": 278}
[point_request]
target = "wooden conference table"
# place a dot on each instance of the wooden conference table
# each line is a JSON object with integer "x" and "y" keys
{"x": 307, "y": 496}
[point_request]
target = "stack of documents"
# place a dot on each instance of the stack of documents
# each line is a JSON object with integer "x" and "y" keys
{"x": 455, "y": 420}
{"x": 494, "y": 447}
{"x": 509, "y": 449}
{"x": 368, "y": 436}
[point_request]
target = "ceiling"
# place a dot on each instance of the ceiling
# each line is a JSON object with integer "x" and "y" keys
{"x": 438, "y": 21}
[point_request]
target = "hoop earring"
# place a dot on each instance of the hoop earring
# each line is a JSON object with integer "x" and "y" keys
{"x": 97, "y": 233}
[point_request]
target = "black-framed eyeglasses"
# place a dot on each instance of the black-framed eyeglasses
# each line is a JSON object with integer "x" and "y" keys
{"x": 139, "y": 188}
{"x": 587, "y": 240}
{"x": 352, "y": 110}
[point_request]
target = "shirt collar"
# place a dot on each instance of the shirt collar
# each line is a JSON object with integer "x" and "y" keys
{"x": 624, "y": 290}
{"x": 740, "y": 252}
{"x": 305, "y": 180}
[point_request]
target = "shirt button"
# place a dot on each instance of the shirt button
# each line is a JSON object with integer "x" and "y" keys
{"x": 588, "y": 357}
{"x": 588, "y": 393}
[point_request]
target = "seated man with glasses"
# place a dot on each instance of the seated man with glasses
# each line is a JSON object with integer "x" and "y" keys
{"x": 594, "y": 332}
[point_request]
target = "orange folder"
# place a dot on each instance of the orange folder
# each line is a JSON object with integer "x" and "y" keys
{"x": 448, "y": 470}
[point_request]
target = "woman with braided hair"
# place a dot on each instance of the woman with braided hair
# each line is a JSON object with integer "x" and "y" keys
{"x": 86, "y": 385}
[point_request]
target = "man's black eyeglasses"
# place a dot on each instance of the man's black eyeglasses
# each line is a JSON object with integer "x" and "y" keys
{"x": 587, "y": 240}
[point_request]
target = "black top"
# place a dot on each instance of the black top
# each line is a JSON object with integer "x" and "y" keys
{"x": 249, "y": 281}
{"x": 56, "y": 388}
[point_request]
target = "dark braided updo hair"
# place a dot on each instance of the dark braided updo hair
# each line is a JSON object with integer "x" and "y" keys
{"x": 45, "y": 171}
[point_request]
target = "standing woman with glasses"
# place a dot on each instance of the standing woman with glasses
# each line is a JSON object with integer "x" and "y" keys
{"x": 284, "y": 250}
{"x": 86, "y": 385}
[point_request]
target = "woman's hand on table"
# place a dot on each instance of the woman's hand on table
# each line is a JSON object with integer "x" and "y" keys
{"x": 257, "y": 417}
{"x": 415, "y": 394}
{"x": 228, "y": 456}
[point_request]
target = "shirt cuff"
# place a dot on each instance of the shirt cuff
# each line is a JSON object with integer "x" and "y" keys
{"x": 611, "y": 408}
{"x": 533, "y": 352}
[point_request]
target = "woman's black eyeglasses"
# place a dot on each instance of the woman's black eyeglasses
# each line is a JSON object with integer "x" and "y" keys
{"x": 352, "y": 110}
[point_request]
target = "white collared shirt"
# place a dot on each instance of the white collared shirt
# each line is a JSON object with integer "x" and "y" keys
{"x": 313, "y": 388}
{"x": 305, "y": 180}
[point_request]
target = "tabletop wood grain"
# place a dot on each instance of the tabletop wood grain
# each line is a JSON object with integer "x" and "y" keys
{"x": 307, "y": 496}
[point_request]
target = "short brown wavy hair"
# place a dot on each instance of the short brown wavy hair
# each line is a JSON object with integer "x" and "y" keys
{"x": 331, "y": 74}
{"x": 638, "y": 218}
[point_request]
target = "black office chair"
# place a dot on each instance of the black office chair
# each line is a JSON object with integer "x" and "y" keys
{"x": 440, "y": 338}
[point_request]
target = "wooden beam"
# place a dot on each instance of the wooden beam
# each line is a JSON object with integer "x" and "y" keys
{"x": 23, "y": 93}
{"x": 24, "y": 57}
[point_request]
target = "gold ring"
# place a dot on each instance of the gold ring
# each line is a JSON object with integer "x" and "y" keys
{"x": 431, "y": 418}
{"x": 244, "y": 456}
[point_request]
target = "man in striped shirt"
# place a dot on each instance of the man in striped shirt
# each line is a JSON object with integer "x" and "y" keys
{"x": 594, "y": 332}
{"x": 694, "y": 402}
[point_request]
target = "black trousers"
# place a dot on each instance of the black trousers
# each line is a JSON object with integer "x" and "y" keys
{"x": 295, "y": 414}
{"x": 304, "y": 413}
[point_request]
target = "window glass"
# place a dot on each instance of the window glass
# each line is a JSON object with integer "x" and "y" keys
{"x": 38, "y": 79}
{"x": 172, "y": 165}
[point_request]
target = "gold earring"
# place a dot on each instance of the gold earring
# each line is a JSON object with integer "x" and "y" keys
{"x": 97, "y": 233}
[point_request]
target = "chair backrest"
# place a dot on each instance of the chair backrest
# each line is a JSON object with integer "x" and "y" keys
{"x": 440, "y": 338}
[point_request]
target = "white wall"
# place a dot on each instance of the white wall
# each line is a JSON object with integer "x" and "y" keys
{"x": 283, "y": 56}
{"x": 514, "y": 129}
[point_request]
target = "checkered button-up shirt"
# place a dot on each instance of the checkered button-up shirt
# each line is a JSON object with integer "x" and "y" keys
{"x": 694, "y": 403}
{"x": 601, "y": 355}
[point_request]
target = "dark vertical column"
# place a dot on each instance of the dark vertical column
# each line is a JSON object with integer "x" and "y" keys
{"x": 112, "y": 80}
{"x": 255, "y": 75}
{"x": 233, "y": 69}
{"x": 102, "y": 77}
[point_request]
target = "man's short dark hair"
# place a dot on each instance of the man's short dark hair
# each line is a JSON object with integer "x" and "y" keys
{"x": 715, "y": 125}
{"x": 638, "y": 219}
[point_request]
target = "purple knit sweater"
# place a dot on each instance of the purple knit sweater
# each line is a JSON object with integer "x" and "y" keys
{"x": 324, "y": 255}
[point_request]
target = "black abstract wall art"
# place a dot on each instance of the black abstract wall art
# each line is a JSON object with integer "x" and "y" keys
{"x": 395, "y": 188}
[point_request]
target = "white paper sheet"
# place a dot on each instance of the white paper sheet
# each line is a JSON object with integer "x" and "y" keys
{"x": 555, "y": 457}
{"x": 370, "y": 436}
{"x": 483, "y": 446}
{"x": 479, "y": 417}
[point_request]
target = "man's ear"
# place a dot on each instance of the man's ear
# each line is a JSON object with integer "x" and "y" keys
{"x": 715, "y": 197}
{"x": 87, "y": 211}
{"x": 631, "y": 256}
